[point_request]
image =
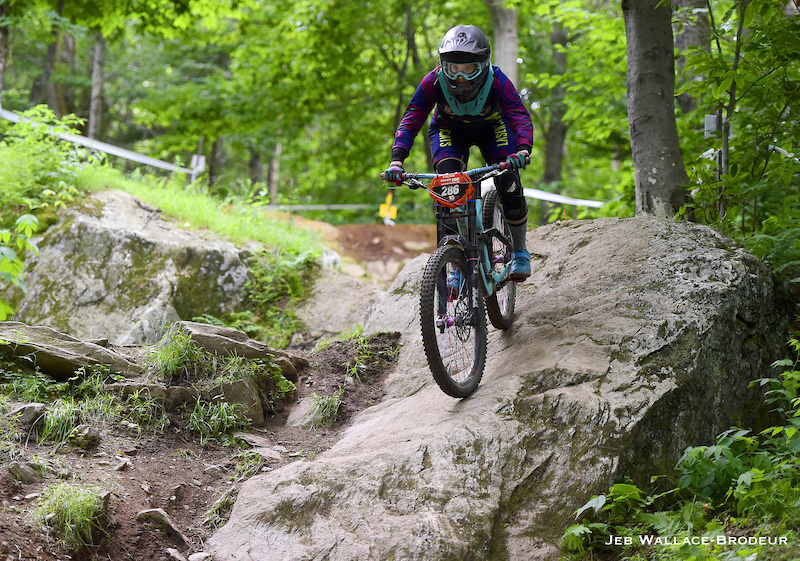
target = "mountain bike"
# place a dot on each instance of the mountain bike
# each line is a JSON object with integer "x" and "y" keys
{"x": 469, "y": 270}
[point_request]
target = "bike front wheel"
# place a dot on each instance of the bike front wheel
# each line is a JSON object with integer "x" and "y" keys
{"x": 500, "y": 304}
{"x": 453, "y": 333}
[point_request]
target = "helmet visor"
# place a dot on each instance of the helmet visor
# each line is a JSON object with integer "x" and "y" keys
{"x": 467, "y": 70}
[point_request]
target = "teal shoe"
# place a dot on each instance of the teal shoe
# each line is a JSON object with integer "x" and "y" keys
{"x": 454, "y": 281}
{"x": 521, "y": 266}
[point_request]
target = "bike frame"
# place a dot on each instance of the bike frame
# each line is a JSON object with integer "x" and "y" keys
{"x": 472, "y": 238}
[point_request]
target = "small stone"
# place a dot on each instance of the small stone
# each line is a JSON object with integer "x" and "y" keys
{"x": 162, "y": 519}
{"x": 254, "y": 439}
{"x": 25, "y": 474}
{"x": 29, "y": 413}
{"x": 85, "y": 437}
{"x": 175, "y": 555}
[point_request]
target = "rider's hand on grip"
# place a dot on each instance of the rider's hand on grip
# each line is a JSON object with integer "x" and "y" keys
{"x": 518, "y": 160}
{"x": 394, "y": 174}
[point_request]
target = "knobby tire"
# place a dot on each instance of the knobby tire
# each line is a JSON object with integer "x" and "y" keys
{"x": 455, "y": 348}
{"x": 500, "y": 304}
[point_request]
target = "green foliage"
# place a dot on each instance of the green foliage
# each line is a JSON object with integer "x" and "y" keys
{"x": 244, "y": 321}
{"x": 38, "y": 175}
{"x": 217, "y": 515}
{"x": 744, "y": 485}
{"x": 30, "y": 386}
{"x": 324, "y": 409}
{"x": 214, "y": 420}
{"x": 237, "y": 221}
{"x": 357, "y": 330}
{"x": 280, "y": 280}
{"x": 74, "y": 513}
{"x": 11, "y": 260}
{"x": 141, "y": 410}
{"x": 177, "y": 358}
{"x": 82, "y": 400}
{"x": 368, "y": 357}
{"x": 751, "y": 79}
{"x": 281, "y": 388}
{"x": 39, "y": 170}
{"x": 248, "y": 463}
{"x": 711, "y": 470}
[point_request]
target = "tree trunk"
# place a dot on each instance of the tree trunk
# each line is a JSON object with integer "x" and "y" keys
{"x": 41, "y": 86}
{"x": 256, "y": 166}
{"x": 692, "y": 30}
{"x": 506, "y": 49}
{"x": 96, "y": 103}
{"x": 659, "y": 173}
{"x": 5, "y": 11}
{"x": 215, "y": 161}
{"x": 274, "y": 174}
{"x": 557, "y": 128}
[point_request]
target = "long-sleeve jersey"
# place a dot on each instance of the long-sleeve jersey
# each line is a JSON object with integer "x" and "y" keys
{"x": 503, "y": 101}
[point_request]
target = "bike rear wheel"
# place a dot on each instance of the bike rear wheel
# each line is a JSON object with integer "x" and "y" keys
{"x": 454, "y": 339}
{"x": 500, "y": 304}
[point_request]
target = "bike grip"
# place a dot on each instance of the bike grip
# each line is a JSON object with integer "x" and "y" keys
{"x": 403, "y": 176}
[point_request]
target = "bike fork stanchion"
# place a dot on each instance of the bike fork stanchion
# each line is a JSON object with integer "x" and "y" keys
{"x": 475, "y": 290}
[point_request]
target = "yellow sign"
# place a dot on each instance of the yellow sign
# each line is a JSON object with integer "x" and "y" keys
{"x": 386, "y": 210}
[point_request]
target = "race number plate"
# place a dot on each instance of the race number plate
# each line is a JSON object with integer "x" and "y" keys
{"x": 452, "y": 189}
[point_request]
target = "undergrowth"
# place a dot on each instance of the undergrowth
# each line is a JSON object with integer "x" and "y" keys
{"x": 84, "y": 399}
{"x": 177, "y": 359}
{"x": 736, "y": 499}
{"x": 75, "y": 514}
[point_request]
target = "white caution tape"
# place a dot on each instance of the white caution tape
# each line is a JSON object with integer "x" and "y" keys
{"x": 114, "y": 150}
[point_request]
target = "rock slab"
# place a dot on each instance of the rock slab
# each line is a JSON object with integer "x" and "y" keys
{"x": 58, "y": 354}
{"x": 634, "y": 338}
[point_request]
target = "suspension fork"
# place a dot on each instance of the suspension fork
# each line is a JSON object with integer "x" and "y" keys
{"x": 473, "y": 258}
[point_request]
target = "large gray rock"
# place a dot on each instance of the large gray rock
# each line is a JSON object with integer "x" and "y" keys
{"x": 57, "y": 354}
{"x": 335, "y": 303}
{"x": 634, "y": 338}
{"x": 114, "y": 269}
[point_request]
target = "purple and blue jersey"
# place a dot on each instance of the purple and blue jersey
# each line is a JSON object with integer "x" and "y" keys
{"x": 502, "y": 127}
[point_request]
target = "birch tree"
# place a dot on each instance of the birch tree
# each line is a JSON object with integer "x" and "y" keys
{"x": 506, "y": 45}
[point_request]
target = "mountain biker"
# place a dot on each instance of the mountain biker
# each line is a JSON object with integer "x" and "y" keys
{"x": 473, "y": 104}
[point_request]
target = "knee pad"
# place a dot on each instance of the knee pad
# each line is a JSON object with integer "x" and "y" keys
{"x": 510, "y": 191}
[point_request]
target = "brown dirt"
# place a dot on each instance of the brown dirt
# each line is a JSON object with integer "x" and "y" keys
{"x": 173, "y": 472}
{"x": 377, "y": 242}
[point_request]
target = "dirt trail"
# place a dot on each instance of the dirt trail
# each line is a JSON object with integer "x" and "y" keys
{"x": 383, "y": 249}
{"x": 376, "y": 248}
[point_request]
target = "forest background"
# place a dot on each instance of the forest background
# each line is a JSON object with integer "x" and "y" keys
{"x": 297, "y": 102}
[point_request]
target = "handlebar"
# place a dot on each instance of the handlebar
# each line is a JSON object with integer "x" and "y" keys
{"x": 415, "y": 177}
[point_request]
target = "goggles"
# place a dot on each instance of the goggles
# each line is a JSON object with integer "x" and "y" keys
{"x": 467, "y": 70}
